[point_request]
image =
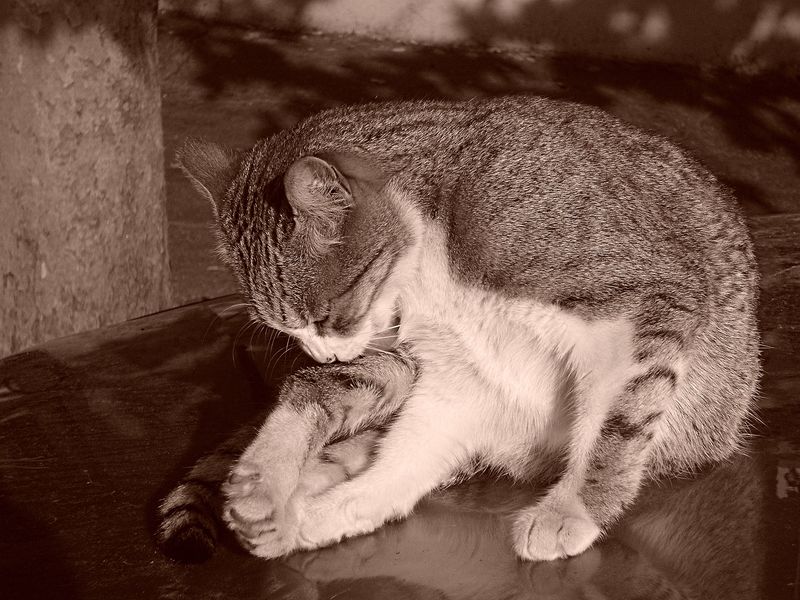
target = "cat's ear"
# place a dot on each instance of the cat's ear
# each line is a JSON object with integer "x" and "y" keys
{"x": 210, "y": 167}
{"x": 320, "y": 197}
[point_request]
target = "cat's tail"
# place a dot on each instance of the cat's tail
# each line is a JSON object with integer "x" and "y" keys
{"x": 189, "y": 517}
{"x": 189, "y": 521}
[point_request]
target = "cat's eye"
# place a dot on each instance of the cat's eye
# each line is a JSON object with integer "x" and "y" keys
{"x": 320, "y": 324}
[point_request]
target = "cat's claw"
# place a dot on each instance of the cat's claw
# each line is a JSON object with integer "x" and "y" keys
{"x": 248, "y": 496}
{"x": 546, "y": 533}
{"x": 262, "y": 527}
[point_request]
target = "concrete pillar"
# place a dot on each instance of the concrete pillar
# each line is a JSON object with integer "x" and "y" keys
{"x": 82, "y": 211}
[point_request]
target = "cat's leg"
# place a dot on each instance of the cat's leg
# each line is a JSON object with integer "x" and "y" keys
{"x": 427, "y": 442}
{"x": 425, "y": 446}
{"x": 189, "y": 514}
{"x": 617, "y": 411}
{"x": 337, "y": 462}
{"x": 315, "y": 406}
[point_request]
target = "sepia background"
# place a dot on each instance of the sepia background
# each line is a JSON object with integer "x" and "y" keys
{"x": 98, "y": 228}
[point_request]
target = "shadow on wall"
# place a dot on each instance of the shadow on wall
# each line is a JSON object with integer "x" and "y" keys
{"x": 747, "y": 129}
{"x": 747, "y": 33}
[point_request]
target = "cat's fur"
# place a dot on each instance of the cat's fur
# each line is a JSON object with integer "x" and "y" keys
{"x": 568, "y": 288}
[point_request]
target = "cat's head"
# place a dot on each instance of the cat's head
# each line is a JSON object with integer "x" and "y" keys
{"x": 315, "y": 242}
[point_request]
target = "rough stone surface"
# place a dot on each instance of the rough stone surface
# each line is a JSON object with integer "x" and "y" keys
{"x": 83, "y": 228}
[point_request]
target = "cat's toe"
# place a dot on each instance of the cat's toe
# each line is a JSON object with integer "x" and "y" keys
{"x": 249, "y": 527}
{"x": 545, "y": 533}
{"x": 270, "y": 543}
{"x": 261, "y": 535}
{"x": 265, "y": 527}
{"x": 249, "y": 508}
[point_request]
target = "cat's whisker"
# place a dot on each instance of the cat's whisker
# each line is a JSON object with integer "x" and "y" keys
{"x": 269, "y": 352}
{"x": 296, "y": 358}
{"x": 276, "y": 358}
{"x": 290, "y": 345}
{"x": 264, "y": 344}
{"x": 221, "y": 315}
{"x": 210, "y": 325}
{"x": 269, "y": 335}
{"x": 373, "y": 349}
{"x": 234, "y": 307}
{"x": 269, "y": 355}
{"x": 242, "y": 331}
{"x": 273, "y": 335}
{"x": 258, "y": 335}
{"x": 256, "y": 330}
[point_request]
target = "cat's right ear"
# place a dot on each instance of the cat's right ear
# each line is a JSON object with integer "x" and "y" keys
{"x": 210, "y": 167}
{"x": 320, "y": 196}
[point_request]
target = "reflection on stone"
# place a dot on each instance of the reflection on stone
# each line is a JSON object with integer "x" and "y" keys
{"x": 682, "y": 539}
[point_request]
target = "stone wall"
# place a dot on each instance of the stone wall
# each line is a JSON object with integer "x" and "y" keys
{"x": 83, "y": 227}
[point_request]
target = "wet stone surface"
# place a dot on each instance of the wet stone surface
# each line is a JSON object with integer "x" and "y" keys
{"x": 95, "y": 428}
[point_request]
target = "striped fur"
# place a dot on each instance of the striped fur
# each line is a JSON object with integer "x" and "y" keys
{"x": 553, "y": 281}
{"x": 190, "y": 514}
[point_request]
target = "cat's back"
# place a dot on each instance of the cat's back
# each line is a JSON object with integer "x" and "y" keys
{"x": 538, "y": 195}
{"x": 517, "y": 150}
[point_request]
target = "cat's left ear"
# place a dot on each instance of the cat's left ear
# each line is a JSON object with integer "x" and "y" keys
{"x": 320, "y": 197}
{"x": 210, "y": 167}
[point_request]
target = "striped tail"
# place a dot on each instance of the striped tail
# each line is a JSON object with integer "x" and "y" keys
{"x": 190, "y": 515}
{"x": 189, "y": 521}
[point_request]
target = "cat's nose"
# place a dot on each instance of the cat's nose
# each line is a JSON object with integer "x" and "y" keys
{"x": 319, "y": 354}
{"x": 322, "y": 358}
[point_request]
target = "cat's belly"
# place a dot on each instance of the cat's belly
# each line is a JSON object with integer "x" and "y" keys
{"x": 496, "y": 375}
{"x": 514, "y": 360}
{"x": 482, "y": 352}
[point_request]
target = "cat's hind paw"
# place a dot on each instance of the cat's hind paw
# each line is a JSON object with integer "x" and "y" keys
{"x": 547, "y": 533}
{"x": 261, "y": 525}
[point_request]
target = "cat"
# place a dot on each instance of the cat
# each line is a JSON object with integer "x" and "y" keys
{"x": 558, "y": 287}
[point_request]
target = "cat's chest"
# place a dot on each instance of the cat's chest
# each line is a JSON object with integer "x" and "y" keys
{"x": 519, "y": 346}
{"x": 480, "y": 335}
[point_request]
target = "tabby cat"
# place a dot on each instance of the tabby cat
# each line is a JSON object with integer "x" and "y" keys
{"x": 560, "y": 288}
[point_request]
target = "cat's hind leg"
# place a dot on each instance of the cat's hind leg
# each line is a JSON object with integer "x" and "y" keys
{"x": 617, "y": 407}
{"x": 337, "y": 463}
{"x": 316, "y": 406}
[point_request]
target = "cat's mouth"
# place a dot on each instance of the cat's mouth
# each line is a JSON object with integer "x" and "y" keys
{"x": 332, "y": 349}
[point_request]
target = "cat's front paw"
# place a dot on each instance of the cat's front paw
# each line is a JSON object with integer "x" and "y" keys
{"x": 544, "y": 532}
{"x": 263, "y": 524}
{"x": 333, "y": 516}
